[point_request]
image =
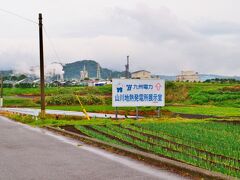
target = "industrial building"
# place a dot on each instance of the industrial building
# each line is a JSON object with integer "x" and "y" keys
{"x": 142, "y": 74}
{"x": 188, "y": 76}
{"x": 83, "y": 73}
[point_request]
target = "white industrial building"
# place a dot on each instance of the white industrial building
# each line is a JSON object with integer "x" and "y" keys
{"x": 83, "y": 73}
{"x": 142, "y": 74}
{"x": 188, "y": 76}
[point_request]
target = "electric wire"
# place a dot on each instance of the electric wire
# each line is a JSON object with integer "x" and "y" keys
{"x": 32, "y": 21}
{"x": 19, "y": 16}
{"x": 51, "y": 43}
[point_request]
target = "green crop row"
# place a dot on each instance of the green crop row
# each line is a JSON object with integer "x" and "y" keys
{"x": 204, "y": 149}
{"x": 166, "y": 152}
{"x": 168, "y": 137}
{"x": 178, "y": 147}
{"x": 99, "y": 136}
{"x": 217, "y": 143}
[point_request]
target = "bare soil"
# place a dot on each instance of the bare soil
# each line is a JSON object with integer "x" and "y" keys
{"x": 234, "y": 122}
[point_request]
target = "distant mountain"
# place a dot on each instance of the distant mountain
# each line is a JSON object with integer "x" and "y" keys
{"x": 6, "y": 72}
{"x": 203, "y": 77}
{"x": 167, "y": 78}
{"x": 72, "y": 70}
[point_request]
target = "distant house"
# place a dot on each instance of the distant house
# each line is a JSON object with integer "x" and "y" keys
{"x": 8, "y": 84}
{"x": 56, "y": 83}
{"x": 28, "y": 82}
{"x": 188, "y": 76}
{"x": 142, "y": 74}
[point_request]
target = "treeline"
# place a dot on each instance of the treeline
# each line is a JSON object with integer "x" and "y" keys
{"x": 222, "y": 81}
{"x": 20, "y": 85}
{"x": 15, "y": 78}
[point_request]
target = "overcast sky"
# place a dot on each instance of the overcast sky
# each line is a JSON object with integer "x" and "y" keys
{"x": 161, "y": 36}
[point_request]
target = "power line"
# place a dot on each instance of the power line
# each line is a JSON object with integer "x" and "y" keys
{"x": 32, "y": 21}
{"x": 51, "y": 43}
{"x": 17, "y": 15}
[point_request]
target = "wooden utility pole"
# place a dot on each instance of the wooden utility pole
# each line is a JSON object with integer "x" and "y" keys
{"x": 42, "y": 83}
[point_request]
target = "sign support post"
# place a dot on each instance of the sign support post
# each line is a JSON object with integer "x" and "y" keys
{"x": 116, "y": 112}
{"x": 158, "y": 111}
{"x": 136, "y": 112}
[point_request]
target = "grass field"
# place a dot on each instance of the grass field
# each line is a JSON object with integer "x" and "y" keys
{"x": 13, "y": 101}
{"x": 57, "y": 90}
{"x": 205, "y": 110}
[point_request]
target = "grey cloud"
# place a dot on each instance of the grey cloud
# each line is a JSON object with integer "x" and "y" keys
{"x": 155, "y": 38}
{"x": 142, "y": 23}
{"x": 155, "y": 24}
{"x": 208, "y": 27}
{"x": 16, "y": 60}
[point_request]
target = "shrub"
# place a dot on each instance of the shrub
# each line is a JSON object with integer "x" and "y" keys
{"x": 70, "y": 99}
{"x": 176, "y": 93}
{"x": 62, "y": 99}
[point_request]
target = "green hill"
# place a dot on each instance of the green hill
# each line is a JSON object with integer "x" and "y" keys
{"x": 6, "y": 72}
{"x": 72, "y": 70}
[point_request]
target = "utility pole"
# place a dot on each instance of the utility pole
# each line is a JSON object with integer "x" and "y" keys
{"x": 42, "y": 83}
{"x": 127, "y": 69}
{"x": 1, "y": 93}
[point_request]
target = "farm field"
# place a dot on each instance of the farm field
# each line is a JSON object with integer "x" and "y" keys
{"x": 205, "y": 110}
{"x": 209, "y": 145}
{"x": 217, "y": 99}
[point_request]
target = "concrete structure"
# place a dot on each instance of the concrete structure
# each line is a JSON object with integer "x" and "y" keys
{"x": 127, "y": 73}
{"x": 98, "y": 72}
{"x": 83, "y": 73}
{"x": 188, "y": 76}
{"x": 142, "y": 74}
{"x": 54, "y": 71}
